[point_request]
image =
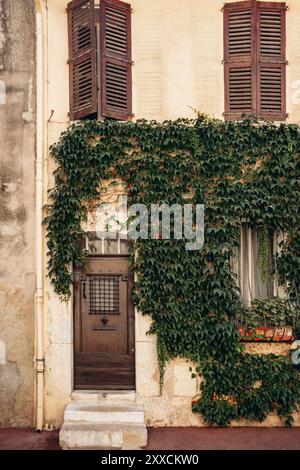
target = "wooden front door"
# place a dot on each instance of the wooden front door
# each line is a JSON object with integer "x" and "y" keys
{"x": 104, "y": 325}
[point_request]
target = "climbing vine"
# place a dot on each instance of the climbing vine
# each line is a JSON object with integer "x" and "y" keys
{"x": 239, "y": 171}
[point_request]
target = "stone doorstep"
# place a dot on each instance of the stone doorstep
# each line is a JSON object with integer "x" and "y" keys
{"x": 104, "y": 396}
{"x": 92, "y": 436}
{"x": 103, "y": 420}
{"x": 109, "y": 414}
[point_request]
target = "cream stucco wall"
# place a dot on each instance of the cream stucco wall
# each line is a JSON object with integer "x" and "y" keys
{"x": 177, "y": 53}
{"x": 177, "y": 48}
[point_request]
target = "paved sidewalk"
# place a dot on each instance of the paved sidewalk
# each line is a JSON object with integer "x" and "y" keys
{"x": 224, "y": 439}
{"x": 26, "y": 439}
{"x": 173, "y": 439}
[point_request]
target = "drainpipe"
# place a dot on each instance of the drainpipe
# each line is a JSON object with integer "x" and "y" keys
{"x": 39, "y": 295}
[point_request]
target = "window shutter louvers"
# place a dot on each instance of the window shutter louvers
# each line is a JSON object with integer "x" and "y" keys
{"x": 238, "y": 53}
{"x": 82, "y": 58}
{"x": 116, "y": 79}
{"x": 238, "y": 31}
{"x": 254, "y": 53}
{"x": 271, "y": 60}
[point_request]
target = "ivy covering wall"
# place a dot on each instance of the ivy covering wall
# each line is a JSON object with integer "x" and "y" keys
{"x": 239, "y": 171}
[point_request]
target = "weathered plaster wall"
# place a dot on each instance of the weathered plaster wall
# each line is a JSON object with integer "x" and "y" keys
{"x": 17, "y": 259}
{"x": 177, "y": 52}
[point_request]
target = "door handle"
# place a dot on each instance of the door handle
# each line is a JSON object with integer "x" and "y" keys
{"x": 84, "y": 290}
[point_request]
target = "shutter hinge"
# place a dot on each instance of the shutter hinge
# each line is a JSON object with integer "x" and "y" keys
{"x": 51, "y": 115}
{"x": 286, "y": 62}
{"x": 287, "y": 115}
{"x": 287, "y": 8}
{"x": 40, "y": 365}
{"x": 131, "y": 62}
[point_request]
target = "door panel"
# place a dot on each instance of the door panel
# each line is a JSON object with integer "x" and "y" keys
{"x": 104, "y": 325}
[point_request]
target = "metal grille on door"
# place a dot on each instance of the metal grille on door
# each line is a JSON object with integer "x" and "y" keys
{"x": 104, "y": 295}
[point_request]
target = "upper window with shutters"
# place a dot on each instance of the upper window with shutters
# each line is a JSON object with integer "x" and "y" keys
{"x": 100, "y": 59}
{"x": 254, "y": 58}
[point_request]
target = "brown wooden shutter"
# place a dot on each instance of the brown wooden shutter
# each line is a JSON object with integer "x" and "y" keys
{"x": 271, "y": 44}
{"x": 115, "y": 43}
{"x": 239, "y": 58}
{"x": 82, "y": 58}
{"x": 254, "y": 56}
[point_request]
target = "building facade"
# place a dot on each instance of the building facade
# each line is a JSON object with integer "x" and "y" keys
{"x": 170, "y": 59}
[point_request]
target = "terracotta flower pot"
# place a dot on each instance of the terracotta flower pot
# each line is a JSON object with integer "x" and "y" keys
{"x": 267, "y": 333}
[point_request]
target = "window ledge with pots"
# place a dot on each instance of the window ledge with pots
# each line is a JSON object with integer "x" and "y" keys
{"x": 267, "y": 334}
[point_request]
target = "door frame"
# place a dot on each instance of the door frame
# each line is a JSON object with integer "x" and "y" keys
{"x": 76, "y": 317}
